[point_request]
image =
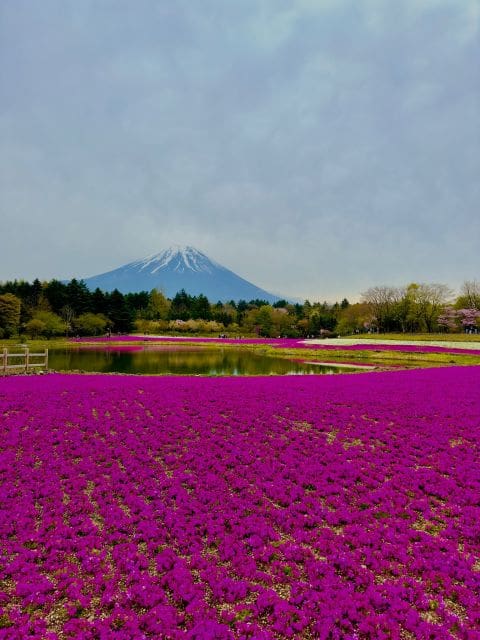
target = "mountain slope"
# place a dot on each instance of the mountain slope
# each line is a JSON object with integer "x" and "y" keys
{"x": 176, "y": 268}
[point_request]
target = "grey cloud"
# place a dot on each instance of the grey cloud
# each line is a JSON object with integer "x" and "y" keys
{"x": 307, "y": 145}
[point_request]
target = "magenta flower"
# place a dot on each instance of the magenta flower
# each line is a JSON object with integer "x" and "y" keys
{"x": 247, "y": 508}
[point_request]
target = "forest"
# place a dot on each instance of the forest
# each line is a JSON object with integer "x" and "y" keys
{"x": 54, "y": 308}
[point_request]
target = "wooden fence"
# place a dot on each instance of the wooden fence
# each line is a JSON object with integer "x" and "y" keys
{"x": 23, "y": 362}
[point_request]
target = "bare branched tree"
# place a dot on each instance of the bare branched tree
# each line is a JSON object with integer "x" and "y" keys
{"x": 471, "y": 292}
{"x": 67, "y": 314}
{"x": 382, "y": 301}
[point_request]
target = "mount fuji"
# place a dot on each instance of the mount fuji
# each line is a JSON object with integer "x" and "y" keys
{"x": 179, "y": 267}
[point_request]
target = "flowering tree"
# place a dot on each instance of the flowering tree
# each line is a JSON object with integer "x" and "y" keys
{"x": 448, "y": 319}
{"x": 469, "y": 318}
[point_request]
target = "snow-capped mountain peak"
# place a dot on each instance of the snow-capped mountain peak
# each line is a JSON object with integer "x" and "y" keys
{"x": 178, "y": 258}
{"x": 179, "y": 267}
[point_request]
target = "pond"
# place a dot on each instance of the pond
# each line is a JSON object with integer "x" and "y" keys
{"x": 181, "y": 361}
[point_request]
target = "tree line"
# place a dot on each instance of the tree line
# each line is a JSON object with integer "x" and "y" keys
{"x": 55, "y": 308}
{"x": 423, "y": 308}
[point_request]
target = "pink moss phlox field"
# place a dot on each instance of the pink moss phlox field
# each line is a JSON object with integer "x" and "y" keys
{"x": 289, "y": 343}
{"x": 241, "y": 508}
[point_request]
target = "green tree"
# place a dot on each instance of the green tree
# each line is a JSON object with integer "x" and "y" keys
{"x": 10, "y": 307}
{"x": 181, "y": 307}
{"x": 201, "y": 308}
{"x": 241, "y": 308}
{"x": 56, "y": 294}
{"x": 355, "y": 318}
{"x": 32, "y": 295}
{"x": 429, "y": 301}
{"x": 260, "y": 321}
{"x": 35, "y": 327}
{"x": 99, "y": 302}
{"x": 224, "y": 314}
{"x": 284, "y": 322}
{"x": 264, "y": 320}
{"x": 119, "y": 312}
{"x": 158, "y": 306}
{"x": 78, "y": 296}
{"x": 323, "y": 317}
{"x": 90, "y": 324}
{"x": 53, "y": 324}
{"x": 137, "y": 301}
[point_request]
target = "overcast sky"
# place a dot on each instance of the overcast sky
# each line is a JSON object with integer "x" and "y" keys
{"x": 314, "y": 147}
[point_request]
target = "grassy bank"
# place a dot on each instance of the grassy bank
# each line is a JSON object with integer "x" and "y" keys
{"x": 384, "y": 358}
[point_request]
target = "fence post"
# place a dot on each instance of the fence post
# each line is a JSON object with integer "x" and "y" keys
{"x": 46, "y": 360}
{"x": 5, "y": 361}
{"x": 26, "y": 359}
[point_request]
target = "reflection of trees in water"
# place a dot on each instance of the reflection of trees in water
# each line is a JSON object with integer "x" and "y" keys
{"x": 182, "y": 361}
{"x": 81, "y": 360}
{"x": 210, "y": 362}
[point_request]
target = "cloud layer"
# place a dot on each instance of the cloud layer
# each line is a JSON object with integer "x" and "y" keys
{"x": 314, "y": 147}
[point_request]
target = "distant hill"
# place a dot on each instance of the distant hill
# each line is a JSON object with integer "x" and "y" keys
{"x": 176, "y": 268}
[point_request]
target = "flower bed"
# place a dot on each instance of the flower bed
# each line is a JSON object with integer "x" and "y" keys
{"x": 313, "y": 507}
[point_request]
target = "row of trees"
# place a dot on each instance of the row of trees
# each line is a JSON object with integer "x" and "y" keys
{"x": 56, "y": 308}
{"x": 421, "y": 308}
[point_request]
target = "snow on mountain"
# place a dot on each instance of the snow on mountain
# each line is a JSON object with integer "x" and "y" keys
{"x": 179, "y": 267}
{"x": 177, "y": 258}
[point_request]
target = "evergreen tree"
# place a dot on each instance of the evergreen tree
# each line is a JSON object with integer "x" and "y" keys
{"x": 119, "y": 312}
{"x": 99, "y": 302}
{"x": 181, "y": 307}
{"x": 201, "y": 308}
{"x": 78, "y": 296}
{"x": 56, "y": 294}
{"x": 137, "y": 301}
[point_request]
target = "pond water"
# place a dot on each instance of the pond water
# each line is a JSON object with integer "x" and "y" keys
{"x": 181, "y": 361}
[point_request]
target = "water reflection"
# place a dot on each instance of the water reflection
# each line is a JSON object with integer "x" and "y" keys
{"x": 180, "y": 361}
